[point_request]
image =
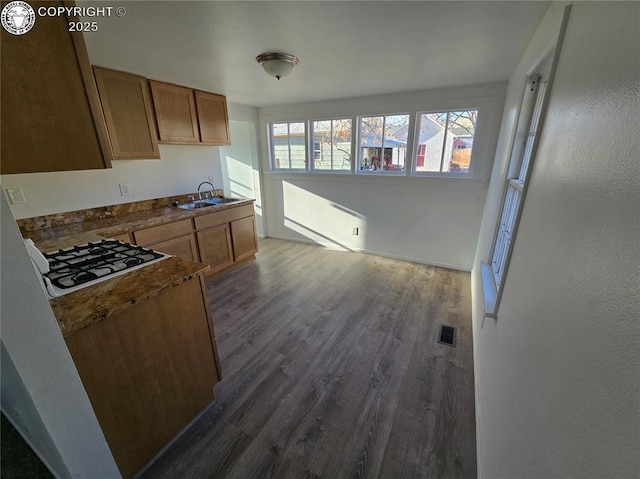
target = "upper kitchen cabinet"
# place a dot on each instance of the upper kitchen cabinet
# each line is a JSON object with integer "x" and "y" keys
{"x": 175, "y": 108}
{"x": 187, "y": 116}
{"x": 126, "y": 103}
{"x": 51, "y": 115}
{"x": 213, "y": 118}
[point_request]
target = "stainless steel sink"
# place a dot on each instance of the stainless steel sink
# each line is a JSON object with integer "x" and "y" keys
{"x": 207, "y": 203}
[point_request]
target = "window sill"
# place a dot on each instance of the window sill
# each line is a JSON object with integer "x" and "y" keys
{"x": 489, "y": 290}
{"x": 444, "y": 174}
{"x": 381, "y": 172}
{"x": 331, "y": 172}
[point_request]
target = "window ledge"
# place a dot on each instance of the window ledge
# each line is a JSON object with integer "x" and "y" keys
{"x": 489, "y": 290}
{"x": 444, "y": 174}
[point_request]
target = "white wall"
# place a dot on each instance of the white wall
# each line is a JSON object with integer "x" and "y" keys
{"x": 180, "y": 171}
{"x": 428, "y": 220}
{"x": 558, "y": 372}
{"x": 42, "y": 394}
{"x": 240, "y": 167}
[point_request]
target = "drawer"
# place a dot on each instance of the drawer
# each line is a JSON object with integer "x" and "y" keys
{"x": 120, "y": 237}
{"x": 163, "y": 232}
{"x": 224, "y": 216}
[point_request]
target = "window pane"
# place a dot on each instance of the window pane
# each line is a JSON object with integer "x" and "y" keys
{"x": 341, "y": 145}
{"x": 505, "y": 232}
{"x": 533, "y": 128}
{"x": 445, "y": 141}
{"x": 429, "y": 141}
{"x": 383, "y": 142}
{"x": 289, "y": 146}
{"x": 332, "y": 145}
{"x": 462, "y": 127}
{"x": 395, "y": 142}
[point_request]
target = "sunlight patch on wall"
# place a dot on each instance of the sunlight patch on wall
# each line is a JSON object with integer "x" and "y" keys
{"x": 241, "y": 181}
{"x": 322, "y": 220}
{"x": 240, "y": 177}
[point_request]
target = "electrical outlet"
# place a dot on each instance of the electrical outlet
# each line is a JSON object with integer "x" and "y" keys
{"x": 16, "y": 196}
{"x": 356, "y": 231}
{"x": 125, "y": 189}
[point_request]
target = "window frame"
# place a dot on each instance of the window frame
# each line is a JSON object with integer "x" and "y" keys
{"x": 416, "y": 145}
{"x": 486, "y": 133}
{"x": 358, "y": 147}
{"x": 311, "y": 134}
{"x": 518, "y": 176}
{"x": 271, "y": 142}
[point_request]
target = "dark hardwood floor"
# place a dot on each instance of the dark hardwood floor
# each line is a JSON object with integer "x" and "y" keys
{"x": 331, "y": 369}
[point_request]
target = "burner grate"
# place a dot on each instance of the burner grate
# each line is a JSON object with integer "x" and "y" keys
{"x": 81, "y": 264}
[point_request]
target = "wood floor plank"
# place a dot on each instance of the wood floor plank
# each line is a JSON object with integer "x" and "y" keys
{"x": 331, "y": 368}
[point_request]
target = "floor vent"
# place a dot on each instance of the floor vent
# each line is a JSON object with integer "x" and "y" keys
{"x": 447, "y": 335}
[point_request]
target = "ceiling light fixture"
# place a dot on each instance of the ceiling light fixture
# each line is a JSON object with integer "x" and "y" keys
{"x": 277, "y": 64}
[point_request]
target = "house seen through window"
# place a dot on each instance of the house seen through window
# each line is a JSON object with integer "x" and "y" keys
{"x": 332, "y": 145}
{"x": 383, "y": 143}
{"x": 444, "y": 141}
{"x": 288, "y": 143}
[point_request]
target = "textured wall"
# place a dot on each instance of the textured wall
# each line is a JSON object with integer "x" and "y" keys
{"x": 558, "y": 373}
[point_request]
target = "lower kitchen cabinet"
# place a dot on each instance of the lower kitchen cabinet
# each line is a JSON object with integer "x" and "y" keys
{"x": 149, "y": 371}
{"x": 124, "y": 237}
{"x": 173, "y": 238}
{"x": 243, "y": 235}
{"x": 221, "y": 238}
{"x": 216, "y": 248}
{"x": 182, "y": 247}
{"x": 226, "y": 237}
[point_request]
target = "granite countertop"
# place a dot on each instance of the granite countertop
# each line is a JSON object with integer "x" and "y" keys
{"x": 97, "y": 302}
{"x": 94, "y": 303}
{"x": 66, "y": 236}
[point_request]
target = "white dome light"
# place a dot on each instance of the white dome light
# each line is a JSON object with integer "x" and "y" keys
{"x": 277, "y": 64}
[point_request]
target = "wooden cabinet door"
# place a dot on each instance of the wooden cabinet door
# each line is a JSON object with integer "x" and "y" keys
{"x": 157, "y": 234}
{"x": 213, "y": 118}
{"x": 121, "y": 237}
{"x": 51, "y": 118}
{"x": 148, "y": 371}
{"x": 215, "y": 247}
{"x": 243, "y": 234}
{"x": 175, "y": 109}
{"x": 126, "y": 103}
{"x": 183, "y": 247}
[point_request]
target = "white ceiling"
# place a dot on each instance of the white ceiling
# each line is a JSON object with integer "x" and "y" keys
{"x": 346, "y": 49}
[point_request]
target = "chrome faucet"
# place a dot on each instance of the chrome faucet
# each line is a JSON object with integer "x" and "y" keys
{"x": 213, "y": 188}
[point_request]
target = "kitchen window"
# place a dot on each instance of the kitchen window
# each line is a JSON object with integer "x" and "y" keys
{"x": 444, "y": 142}
{"x": 383, "y": 143}
{"x": 288, "y": 146}
{"x": 331, "y": 145}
